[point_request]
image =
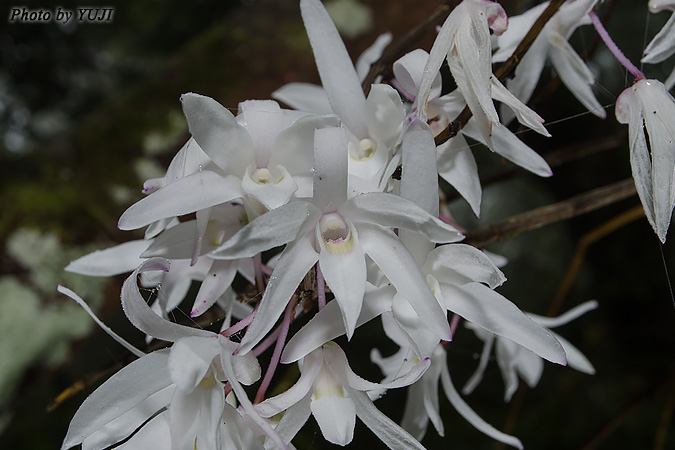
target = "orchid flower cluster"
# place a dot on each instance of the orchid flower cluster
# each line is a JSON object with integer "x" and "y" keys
{"x": 341, "y": 194}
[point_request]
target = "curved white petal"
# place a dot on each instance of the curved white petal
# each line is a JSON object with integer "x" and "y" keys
{"x": 493, "y": 312}
{"x": 470, "y": 415}
{"x": 567, "y": 317}
{"x": 272, "y": 229}
{"x": 298, "y": 257}
{"x": 275, "y": 405}
{"x": 64, "y": 290}
{"x": 217, "y": 281}
{"x": 409, "y": 72}
{"x": 139, "y": 380}
{"x": 217, "y": 132}
{"x": 192, "y": 193}
{"x": 574, "y": 73}
{"x": 457, "y": 166}
{"x": 507, "y": 144}
{"x": 462, "y": 264}
{"x": 524, "y": 114}
{"x": 328, "y": 324}
{"x": 142, "y": 317}
{"x": 115, "y": 260}
{"x": 662, "y": 45}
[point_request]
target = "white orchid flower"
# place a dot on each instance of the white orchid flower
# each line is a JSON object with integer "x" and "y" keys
{"x": 648, "y": 109}
{"x": 662, "y": 46}
{"x": 464, "y": 40}
{"x": 338, "y": 233}
{"x": 515, "y": 360}
{"x": 374, "y": 124}
{"x": 187, "y": 380}
{"x": 455, "y": 160}
{"x": 422, "y": 403}
{"x": 552, "y": 41}
{"x": 263, "y": 156}
{"x": 335, "y": 395}
{"x": 460, "y": 277}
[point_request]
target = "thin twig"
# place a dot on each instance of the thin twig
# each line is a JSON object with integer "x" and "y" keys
{"x": 548, "y": 214}
{"x": 505, "y": 70}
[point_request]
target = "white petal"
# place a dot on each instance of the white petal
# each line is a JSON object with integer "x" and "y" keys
{"x": 462, "y": 264}
{"x": 493, "y": 312}
{"x": 330, "y": 168}
{"x": 272, "y": 229}
{"x": 139, "y": 380}
{"x": 477, "y": 376}
{"x": 304, "y": 97}
{"x": 392, "y": 211}
{"x": 575, "y": 74}
{"x": 192, "y": 193}
{"x": 142, "y": 317}
{"x": 575, "y": 359}
{"x": 275, "y": 405}
{"x": 524, "y": 114}
{"x": 385, "y": 429}
{"x": 337, "y": 72}
{"x": 336, "y": 417}
{"x": 328, "y": 324}
{"x": 115, "y": 260}
{"x": 567, "y": 317}
{"x": 217, "y": 281}
{"x": 662, "y": 45}
{"x": 507, "y": 144}
{"x": 470, "y": 415}
{"x": 458, "y": 167}
{"x": 217, "y": 132}
{"x": 345, "y": 274}
{"x": 419, "y": 182}
{"x": 111, "y": 333}
{"x": 298, "y": 257}
{"x": 397, "y": 263}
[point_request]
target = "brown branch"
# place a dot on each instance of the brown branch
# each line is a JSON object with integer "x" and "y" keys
{"x": 505, "y": 70}
{"x": 548, "y": 214}
{"x": 396, "y": 50}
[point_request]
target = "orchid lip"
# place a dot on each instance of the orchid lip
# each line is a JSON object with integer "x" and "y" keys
{"x": 365, "y": 150}
{"x": 336, "y": 233}
{"x": 264, "y": 176}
